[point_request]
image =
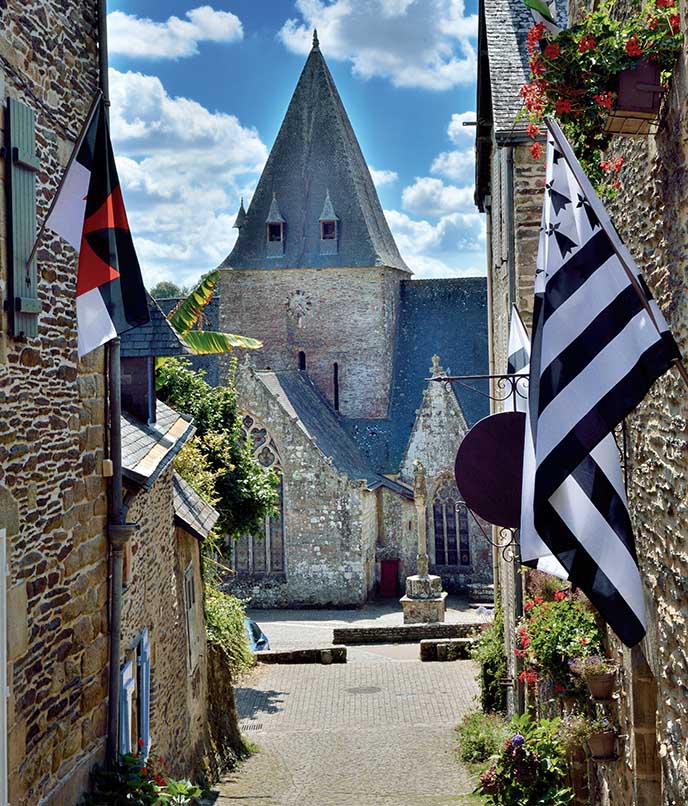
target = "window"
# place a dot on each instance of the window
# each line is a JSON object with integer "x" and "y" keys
{"x": 191, "y": 616}
{"x": 262, "y": 554}
{"x": 328, "y": 230}
{"x": 302, "y": 360}
{"x": 127, "y": 684}
{"x": 335, "y": 383}
{"x": 3, "y": 668}
{"x": 451, "y": 527}
{"x": 275, "y": 232}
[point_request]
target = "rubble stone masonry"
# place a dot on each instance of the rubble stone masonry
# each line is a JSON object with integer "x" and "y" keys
{"x": 52, "y": 436}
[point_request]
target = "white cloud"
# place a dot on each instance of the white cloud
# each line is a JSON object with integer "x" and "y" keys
{"x": 459, "y": 166}
{"x": 181, "y": 181}
{"x": 431, "y": 197}
{"x": 383, "y": 177}
{"x": 458, "y": 133}
{"x": 413, "y": 43}
{"x": 129, "y": 35}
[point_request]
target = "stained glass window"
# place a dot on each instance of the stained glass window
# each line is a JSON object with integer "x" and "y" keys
{"x": 452, "y": 545}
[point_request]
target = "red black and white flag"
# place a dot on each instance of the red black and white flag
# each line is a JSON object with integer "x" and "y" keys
{"x": 89, "y": 214}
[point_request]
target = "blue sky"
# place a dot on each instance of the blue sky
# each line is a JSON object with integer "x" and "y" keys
{"x": 199, "y": 91}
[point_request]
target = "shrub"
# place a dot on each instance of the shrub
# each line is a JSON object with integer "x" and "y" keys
{"x": 480, "y": 736}
{"x": 225, "y": 627}
{"x": 530, "y": 769}
{"x": 490, "y": 653}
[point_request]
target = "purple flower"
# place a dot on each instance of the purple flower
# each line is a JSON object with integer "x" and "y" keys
{"x": 517, "y": 740}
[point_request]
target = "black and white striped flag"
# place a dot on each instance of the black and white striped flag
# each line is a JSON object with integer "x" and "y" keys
{"x": 599, "y": 343}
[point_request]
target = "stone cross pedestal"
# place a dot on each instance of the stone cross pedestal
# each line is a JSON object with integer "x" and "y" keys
{"x": 424, "y": 600}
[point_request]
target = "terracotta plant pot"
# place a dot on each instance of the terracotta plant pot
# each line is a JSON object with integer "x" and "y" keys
{"x": 602, "y": 745}
{"x": 601, "y": 685}
{"x": 637, "y": 105}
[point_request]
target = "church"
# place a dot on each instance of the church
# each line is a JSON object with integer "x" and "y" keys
{"x": 340, "y": 400}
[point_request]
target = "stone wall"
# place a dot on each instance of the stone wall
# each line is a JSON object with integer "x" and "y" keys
{"x": 154, "y": 599}
{"x": 326, "y": 529}
{"x": 347, "y": 316}
{"x": 52, "y": 494}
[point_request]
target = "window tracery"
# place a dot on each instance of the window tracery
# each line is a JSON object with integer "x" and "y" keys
{"x": 452, "y": 544}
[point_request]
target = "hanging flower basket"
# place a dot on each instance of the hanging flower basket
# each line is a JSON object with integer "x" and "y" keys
{"x": 602, "y": 745}
{"x": 638, "y": 98}
{"x": 601, "y": 685}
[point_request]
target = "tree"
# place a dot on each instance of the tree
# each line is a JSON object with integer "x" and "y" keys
{"x": 166, "y": 289}
{"x": 244, "y": 491}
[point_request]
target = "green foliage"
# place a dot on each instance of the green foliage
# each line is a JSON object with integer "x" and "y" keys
{"x": 166, "y": 290}
{"x": 480, "y": 736}
{"x": 187, "y": 320}
{"x": 225, "y": 627}
{"x": 244, "y": 491}
{"x": 133, "y": 780}
{"x": 530, "y": 769}
{"x": 575, "y": 75}
{"x": 554, "y": 633}
{"x": 489, "y": 651}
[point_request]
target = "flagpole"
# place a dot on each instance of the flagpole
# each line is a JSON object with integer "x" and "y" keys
{"x": 620, "y": 248}
{"x": 75, "y": 151}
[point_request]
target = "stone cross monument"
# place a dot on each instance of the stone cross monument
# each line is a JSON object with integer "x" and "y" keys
{"x": 424, "y": 600}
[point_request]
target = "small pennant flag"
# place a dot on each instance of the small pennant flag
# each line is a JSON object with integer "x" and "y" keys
{"x": 546, "y": 13}
{"x": 89, "y": 214}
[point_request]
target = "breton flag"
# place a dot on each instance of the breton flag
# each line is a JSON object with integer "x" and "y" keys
{"x": 518, "y": 363}
{"x": 599, "y": 343}
{"x": 545, "y": 11}
{"x": 88, "y": 213}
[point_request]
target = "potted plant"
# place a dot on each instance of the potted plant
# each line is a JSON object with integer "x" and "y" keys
{"x": 598, "y": 672}
{"x": 602, "y": 739}
{"x": 602, "y": 77}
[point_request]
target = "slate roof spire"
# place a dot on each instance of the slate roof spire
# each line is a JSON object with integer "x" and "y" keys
{"x": 316, "y": 149}
{"x": 328, "y": 213}
{"x": 241, "y": 216}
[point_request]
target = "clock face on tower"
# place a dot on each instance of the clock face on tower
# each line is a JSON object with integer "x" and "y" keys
{"x": 298, "y": 305}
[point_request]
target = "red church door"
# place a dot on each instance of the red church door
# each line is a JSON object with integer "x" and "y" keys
{"x": 389, "y": 575}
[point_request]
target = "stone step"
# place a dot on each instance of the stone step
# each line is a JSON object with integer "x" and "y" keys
{"x": 438, "y": 649}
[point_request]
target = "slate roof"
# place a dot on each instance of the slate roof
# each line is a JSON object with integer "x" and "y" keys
{"x": 190, "y": 511}
{"x": 147, "y": 449}
{"x": 299, "y": 397}
{"x": 506, "y": 28}
{"x": 157, "y": 338}
{"x": 446, "y": 317}
{"x": 316, "y": 150}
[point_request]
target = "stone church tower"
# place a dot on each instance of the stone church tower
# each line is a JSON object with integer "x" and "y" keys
{"x": 333, "y": 398}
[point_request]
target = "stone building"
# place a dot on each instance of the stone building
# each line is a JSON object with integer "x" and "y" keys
{"x": 54, "y": 603}
{"x": 338, "y": 399}
{"x": 649, "y": 213}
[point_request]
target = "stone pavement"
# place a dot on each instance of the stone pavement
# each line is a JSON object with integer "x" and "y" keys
{"x": 377, "y": 731}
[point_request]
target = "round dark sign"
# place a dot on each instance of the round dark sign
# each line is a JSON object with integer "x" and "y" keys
{"x": 489, "y": 468}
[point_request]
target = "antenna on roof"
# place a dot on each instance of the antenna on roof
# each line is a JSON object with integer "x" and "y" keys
{"x": 316, "y": 43}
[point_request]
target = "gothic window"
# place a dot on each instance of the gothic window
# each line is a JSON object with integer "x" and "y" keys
{"x": 262, "y": 554}
{"x": 450, "y": 526}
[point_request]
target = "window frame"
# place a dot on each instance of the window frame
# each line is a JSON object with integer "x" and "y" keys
{"x": 323, "y": 224}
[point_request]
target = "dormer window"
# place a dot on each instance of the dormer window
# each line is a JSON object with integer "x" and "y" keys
{"x": 275, "y": 230}
{"x": 329, "y": 228}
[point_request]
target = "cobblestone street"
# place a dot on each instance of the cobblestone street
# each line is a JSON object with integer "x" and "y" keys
{"x": 378, "y": 730}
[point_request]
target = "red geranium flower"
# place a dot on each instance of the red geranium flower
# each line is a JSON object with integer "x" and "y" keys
{"x": 665, "y": 3}
{"x": 533, "y": 130}
{"x": 538, "y": 600}
{"x": 586, "y": 43}
{"x": 552, "y": 50}
{"x": 652, "y": 22}
{"x": 534, "y": 37}
{"x": 519, "y": 653}
{"x": 616, "y": 184}
{"x": 633, "y": 46}
{"x": 604, "y": 99}
{"x": 559, "y": 688}
{"x": 537, "y": 68}
{"x": 536, "y": 151}
{"x": 528, "y": 606}
{"x": 618, "y": 164}
{"x": 144, "y": 770}
{"x": 562, "y": 106}
{"x": 675, "y": 23}
{"x": 559, "y": 595}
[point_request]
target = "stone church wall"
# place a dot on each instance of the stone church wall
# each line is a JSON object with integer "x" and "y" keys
{"x": 348, "y": 316}
{"x": 52, "y": 494}
{"x": 153, "y": 599}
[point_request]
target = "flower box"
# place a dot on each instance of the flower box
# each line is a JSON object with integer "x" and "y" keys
{"x": 601, "y": 685}
{"x": 638, "y": 100}
{"x": 602, "y": 745}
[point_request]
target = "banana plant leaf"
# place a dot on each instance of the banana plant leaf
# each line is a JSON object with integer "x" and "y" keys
{"x": 208, "y": 342}
{"x": 190, "y": 310}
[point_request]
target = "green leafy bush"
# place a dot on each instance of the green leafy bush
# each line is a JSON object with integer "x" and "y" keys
{"x": 244, "y": 492}
{"x": 480, "y": 736}
{"x": 225, "y": 627}
{"x": 489, "y": 651}
{"x": 530, "y": 769}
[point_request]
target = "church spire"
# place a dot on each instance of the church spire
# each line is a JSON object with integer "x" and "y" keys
{"x": 315, "y": 150}
{"x": 241, "y": 216}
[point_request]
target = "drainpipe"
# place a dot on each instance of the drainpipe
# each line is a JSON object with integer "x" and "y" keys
{"x": 119, "y": 532}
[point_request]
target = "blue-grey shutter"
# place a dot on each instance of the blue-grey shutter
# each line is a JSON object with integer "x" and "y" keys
{"x": 23, "y": 164}
{"x": 144, "y": 663}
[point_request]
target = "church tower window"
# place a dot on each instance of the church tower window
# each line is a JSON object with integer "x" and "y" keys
{"x": 335, "y": 384}
{"x": 302, "y": 360}
{"x": 452, "y": 545}
{"x": 275, "y": 230}
{"x": 275, "y": 233}
{"x": 329, "y": 228}
{"x": 262, "y": 554}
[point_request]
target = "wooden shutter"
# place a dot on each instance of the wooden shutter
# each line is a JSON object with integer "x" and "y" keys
{"x": 4, "y": 691}
{"x": 144, "y": 665}
{"x": 22, "y": 166}
{"x": 127, "y": 683}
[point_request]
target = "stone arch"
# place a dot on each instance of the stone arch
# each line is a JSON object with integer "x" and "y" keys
{"x": 451, "y": 544}
{"x": 263, "y": 554}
